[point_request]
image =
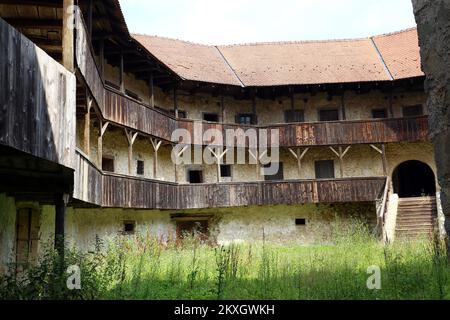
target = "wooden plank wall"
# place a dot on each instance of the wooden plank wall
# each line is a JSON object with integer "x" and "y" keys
{"x": 88, "y": 182}
{"x": 118, "y": 191}
{"x": 37, "y": 100}
{"x": 86, "y": 62}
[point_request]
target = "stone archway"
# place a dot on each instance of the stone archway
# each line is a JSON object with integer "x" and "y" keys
{"x": 414, "y": 179}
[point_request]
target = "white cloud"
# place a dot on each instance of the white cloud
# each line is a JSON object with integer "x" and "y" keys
{"x": 238, "y": 21}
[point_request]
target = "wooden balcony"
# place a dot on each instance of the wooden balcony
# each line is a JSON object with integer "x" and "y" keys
{"x": 37, "y": 100}
{"x": 119, "y": 191}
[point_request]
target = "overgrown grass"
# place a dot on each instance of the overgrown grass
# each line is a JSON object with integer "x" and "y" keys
{"x": 145, "y": 268}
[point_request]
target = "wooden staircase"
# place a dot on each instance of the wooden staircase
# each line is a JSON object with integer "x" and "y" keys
{"x": 416, "y": 217}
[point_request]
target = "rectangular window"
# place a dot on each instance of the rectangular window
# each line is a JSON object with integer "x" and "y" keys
{"x": 129, "y": 227}
{"x": 246, "y": 119}
{"x": 379, "y": 113}
{"x": 140, "y": 167}
{"x": 268, "y": 176}
{"x": 198, "y": 229}
{"x": 329, "y": 115}
{"x": 195, "y": 176}
{"x": 108, "y": 164}
{"x": 225, "y": 171}
{"x": 182, "y": 114}
{"x": 325, "y": 169}
{"x": 292, "y": 116}
{"x": 300, "y": 222}
{"x": 413, "y": 111}
{"x": 211, "y": 117}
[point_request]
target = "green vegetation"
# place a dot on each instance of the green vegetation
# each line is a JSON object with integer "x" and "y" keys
{"x": 144, "y": 268}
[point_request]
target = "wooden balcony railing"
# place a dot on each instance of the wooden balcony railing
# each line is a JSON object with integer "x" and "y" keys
{"x": 122, "y": 110}
{"x": 37, "y": 100}
{"x": 119, "y": 191}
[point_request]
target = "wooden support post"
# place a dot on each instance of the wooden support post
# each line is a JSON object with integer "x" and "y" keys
{"x": 121, "y": 74}
{"x": 87, "y": 125}
{"x": 291, "y": 90}
{"x": 175, "y": 102}
{"x": 102, "y": 131}
{"x": 391, "y": 108}
{"x": 151, "y": 90}
{"x": 102, "y": 58}
{"x": 61, "y": 201}
{"x": 258, "y": 157}
{"x": 177, "y": 156}
{"x": 341, "y": 154}
{"x": 382, "y": 151}
{"x": 343, "y": 109}
{"x": 68, "y": 35}
{"x": 156, "y": 146}
{"x": 299, "y": 155}
{"x": 219, "y": 156}
{"x": 254, "y": 106}
{"x": 131, "y": 137}
{"x": 222, "y": 109}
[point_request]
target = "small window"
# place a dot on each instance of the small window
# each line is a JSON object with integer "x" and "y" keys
{"x": 300, "y": 222}
{"x": 182, "y": 114}
{"x": 274, "y": 177}
{"x": 108, "y": 164}
{"x": 129, "y": 227}
{"x": 325, "y": 169}
{"x": 195, "y": 176}
{"x": 225, "y": 171}
{"x": 246, "y": 119}
{"x": 413, "y": 111}
{"x": 292, "y": 116}
{"x": 193, "y": 229}
{"x": 211, "y": 117}
{"x": 140, "y": 167}
{"x": 329, "y": 115}
{"x": 379, "y": 113}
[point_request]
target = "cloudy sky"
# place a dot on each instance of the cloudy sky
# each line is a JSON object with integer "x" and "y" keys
{"x": 243, "y": 21}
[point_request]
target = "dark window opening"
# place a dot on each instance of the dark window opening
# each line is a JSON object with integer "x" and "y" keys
{"x": 193, "y": 229}
{"x": 414, "y": 179}
{"x": 108, "y": 164}
{"x": 140, "y": 167}
{"x": 329, "y": 115}
{"x": 246, "y": 119}
{"x": 379, "y": 113}
{"x": 225, "y": 171}
{"x": 268, "y": 174}
{"x": 292, "y": 116}
{"x": 182, "y": 114}
{"x": 300, "y": 222}
{"x": 325, "y": 169}
{"x": 129, "y": 227}
{"x": 195, "y": 176}
{"x": 211, "y": 117}
{"x": 413, "y": 111}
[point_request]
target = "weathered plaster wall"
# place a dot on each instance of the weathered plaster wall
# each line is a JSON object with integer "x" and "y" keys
{"x": 433, "y": 20}
{"x": 228, "y": 225}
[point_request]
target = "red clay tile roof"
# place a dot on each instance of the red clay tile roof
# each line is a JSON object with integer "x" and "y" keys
{"x": 381, "y": 58}
{"x": 401, "y": 53}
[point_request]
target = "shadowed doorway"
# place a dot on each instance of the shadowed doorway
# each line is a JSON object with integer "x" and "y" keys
{"x": 414, "y": 179}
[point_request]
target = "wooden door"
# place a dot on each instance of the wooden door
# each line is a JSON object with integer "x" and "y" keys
{"x": 27, "y": 238}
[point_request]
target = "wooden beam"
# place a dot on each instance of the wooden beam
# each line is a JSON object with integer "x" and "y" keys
{"x": 156, "y": 146}
{"x": 35, "y": 23}
{"x": 102, "y": 58}
{"x": 299, "y": 155}
{"x": 102, "y": 131}
{"x": 121, "y": 74}
{"x": 219, "y": 157}
{"x": 222, "y": 108}
{"x": 34, "y": 3}
{"x": 61, "y": 201}
{"x": 68, "y": 35}
{"x": 131, "y": 137}
{"x": 343, "y": 109}
{"x": 384, "y": 157}
{"x": 175, "y": 102}
{"x": 87, "y": 125}
{"x": 341, "y": 153}
{"x": 151, "y": 86}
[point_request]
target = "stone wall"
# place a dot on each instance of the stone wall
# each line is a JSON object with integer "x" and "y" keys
{"x": 433, "y": 19}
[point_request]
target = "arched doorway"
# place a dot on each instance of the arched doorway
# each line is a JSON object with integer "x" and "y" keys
{"x": 414, "y": 179}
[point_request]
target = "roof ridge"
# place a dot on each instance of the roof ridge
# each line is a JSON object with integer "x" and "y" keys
{"x": 171, "y": 39}
{"x": 230, "y": 67}
{"x": 393, "y": 33}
